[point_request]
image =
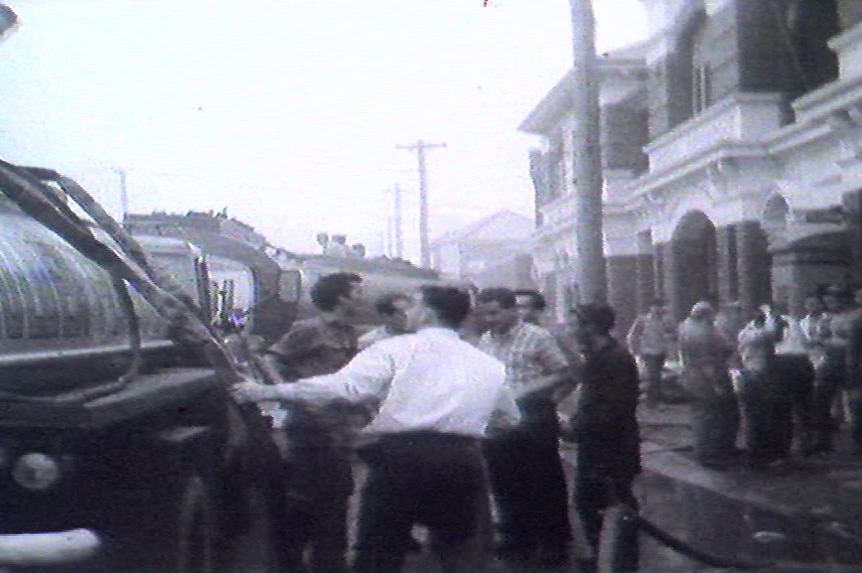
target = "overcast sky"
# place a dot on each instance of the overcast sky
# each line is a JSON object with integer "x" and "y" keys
{"x": 287, "y": 112}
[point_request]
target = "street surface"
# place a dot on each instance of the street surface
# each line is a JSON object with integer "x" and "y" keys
{"x": 821, "y": 486}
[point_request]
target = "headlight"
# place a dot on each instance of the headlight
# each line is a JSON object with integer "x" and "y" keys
{"x": 37, "y": 472}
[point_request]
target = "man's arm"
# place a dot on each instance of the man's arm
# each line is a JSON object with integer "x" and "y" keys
{"x": 558, "y": 378}
{"x": 269, "y": 365}
{"x": 365, "y": 377}
{"x": 633, "y": 336}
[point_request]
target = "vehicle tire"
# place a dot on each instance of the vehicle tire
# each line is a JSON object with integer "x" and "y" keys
{"x": 193, "y": 545}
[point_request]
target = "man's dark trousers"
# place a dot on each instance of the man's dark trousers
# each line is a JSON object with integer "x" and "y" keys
{"x": 654, "y": 365}
{"x": 529, "y": 483}
{"x": 426, "y": 478}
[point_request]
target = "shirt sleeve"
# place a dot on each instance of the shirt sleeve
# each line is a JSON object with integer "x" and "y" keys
{"x": 550, "y": 356}
{"x": 368, "y": 375}
{"x": 297, "y": 341}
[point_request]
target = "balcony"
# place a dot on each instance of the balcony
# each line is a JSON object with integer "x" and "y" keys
{"x": 739, "y": 119}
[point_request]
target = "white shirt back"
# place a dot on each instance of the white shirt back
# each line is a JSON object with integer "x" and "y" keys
{"x": 428, "y": 381}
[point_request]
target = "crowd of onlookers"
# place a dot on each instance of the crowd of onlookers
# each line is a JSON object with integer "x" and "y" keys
{"x": 762, "y": 388}
{"x": 453, "y": 405}
{"x": 456, "y": 404}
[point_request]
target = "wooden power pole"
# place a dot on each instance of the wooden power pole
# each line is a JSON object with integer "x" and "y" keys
{"x": 587, "y": 154}
{"x": 399, "y": 237}
{"x": 419, "y": 147}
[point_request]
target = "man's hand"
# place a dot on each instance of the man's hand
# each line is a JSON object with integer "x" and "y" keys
{"x": 251, "y": 392}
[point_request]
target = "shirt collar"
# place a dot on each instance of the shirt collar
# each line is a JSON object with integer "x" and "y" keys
{"x": 509, "y": 334}
{"x": 439, "y": 331}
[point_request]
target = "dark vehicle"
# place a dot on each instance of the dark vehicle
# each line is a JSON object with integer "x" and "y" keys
{"x": 265, "y": 288}
{"x": 246, "y": 285}
{"x": 118, "y": 436}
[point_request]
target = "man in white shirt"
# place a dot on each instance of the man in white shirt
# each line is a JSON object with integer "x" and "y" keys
{"x": 438, "y": 397}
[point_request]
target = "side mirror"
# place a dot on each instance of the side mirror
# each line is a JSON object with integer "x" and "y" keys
{"x": 8, "y": 20}
{"x": 289, "y": 285}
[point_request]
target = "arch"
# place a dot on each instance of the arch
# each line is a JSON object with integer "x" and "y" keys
{"x": 692, "y": 257}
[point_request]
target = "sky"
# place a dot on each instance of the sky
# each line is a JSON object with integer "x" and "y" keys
{"x": 288, "y": 113}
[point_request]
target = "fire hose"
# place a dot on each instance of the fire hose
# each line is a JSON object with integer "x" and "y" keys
{"x": 622, "y": 521}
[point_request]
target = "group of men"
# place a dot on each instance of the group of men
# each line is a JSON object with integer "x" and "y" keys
{"x": 444, "y": 426}
{"x": 776, "y": 380}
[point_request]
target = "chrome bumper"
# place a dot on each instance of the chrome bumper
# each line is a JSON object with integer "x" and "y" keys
{"x": 47, "y": 548}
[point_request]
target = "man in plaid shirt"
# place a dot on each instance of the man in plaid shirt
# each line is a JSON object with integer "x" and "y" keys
{"x": 525, "y": 468}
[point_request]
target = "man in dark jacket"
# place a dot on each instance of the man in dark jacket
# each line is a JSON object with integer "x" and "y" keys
{"x": 319, "y": 479}
{"x": 607, "y": 429}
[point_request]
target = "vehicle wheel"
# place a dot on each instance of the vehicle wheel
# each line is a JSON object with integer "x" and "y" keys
{"x": 194, "y": 542}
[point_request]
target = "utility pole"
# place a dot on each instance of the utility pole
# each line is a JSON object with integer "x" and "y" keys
{"x": 124, "y": 191}
{"x": 419, "y": 147}
{"x": 587, "y": 153}
{"x": 399, "y": 237}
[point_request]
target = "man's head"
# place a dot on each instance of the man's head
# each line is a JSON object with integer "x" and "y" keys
{"x": 392, "y": 308}
{"x": 497, "y": 308}
{"x": 438, "y": 306}
{"x": 530, "y": 304}
{"x": 338, "y": 293}
{"x": 595, "y": 320}
{"x": 656, "y": 306}
{"x": 703, "y": 311}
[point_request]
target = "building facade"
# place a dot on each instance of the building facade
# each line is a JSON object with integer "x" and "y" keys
{"x": 623, "y": 102}
{"x": 751, "y": 183}
{"x": 493, "y": 251}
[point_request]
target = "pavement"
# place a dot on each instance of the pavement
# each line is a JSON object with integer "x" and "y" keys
{"x": 805, "y": 510}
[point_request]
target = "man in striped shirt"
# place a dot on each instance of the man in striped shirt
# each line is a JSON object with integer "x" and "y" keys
{"x": 525, "y": 468}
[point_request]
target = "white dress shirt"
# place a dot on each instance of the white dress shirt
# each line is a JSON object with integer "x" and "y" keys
{"x": 428, "y": 381}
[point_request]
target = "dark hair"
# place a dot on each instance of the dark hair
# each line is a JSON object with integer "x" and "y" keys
{"x": 328, "y": 289}
{"x": 597, "y": 314}
{"x": 504, "y": 296}
{"x": 538, "y": 301}
{"x": 656, "y": 302}
{"x": 452, "y": 305}
{"x": 385, "y": 303}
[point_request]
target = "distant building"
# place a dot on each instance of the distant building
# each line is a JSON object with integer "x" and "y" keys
{"x": 493, "y": 251}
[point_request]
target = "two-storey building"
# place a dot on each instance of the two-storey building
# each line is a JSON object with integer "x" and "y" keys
{"x": 750, "y": 183}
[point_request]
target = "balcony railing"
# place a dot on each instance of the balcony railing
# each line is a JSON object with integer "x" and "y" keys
{"x": 737, "y": 119}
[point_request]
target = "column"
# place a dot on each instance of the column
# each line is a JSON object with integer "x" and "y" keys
{"x": 753, "y": 264}
{"x": 728, "y": 276}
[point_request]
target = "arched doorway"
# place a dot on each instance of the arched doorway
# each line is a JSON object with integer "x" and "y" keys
{"x": 692, "y": 270}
